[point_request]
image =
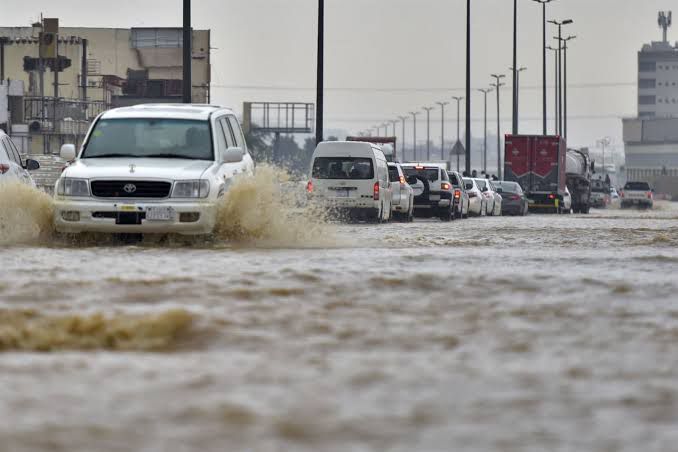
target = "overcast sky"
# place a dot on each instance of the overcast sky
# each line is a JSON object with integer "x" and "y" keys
{"x": 385, "y": 58}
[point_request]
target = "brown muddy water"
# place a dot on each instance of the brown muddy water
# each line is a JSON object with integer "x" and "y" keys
{"x": 496, "y": 334}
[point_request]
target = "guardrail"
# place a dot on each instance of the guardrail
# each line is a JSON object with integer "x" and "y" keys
{"x": 51, "y": 112}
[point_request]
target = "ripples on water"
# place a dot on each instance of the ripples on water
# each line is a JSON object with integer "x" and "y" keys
{"x": 531, "y": 334}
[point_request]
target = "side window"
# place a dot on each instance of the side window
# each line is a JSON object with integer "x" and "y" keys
{"x": 221, "y": 137}
{"x": 237, "y": 133}
{"x": 16, "y": 150}
{"x": 10, "y": 152}
{"x": 444, "y": 177}
{"x": 4, "y": 155}
{"x": 230, "y": 141}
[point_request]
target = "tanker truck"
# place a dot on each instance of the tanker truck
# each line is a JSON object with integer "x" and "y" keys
{"x": 578, "y": 178}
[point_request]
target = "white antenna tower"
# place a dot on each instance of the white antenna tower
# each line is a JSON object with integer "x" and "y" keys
{"x": 665, "y": 22}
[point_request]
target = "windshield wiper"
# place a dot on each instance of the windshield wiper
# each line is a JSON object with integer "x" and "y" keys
{"x": 103, "y": 156}
{"x": 170, "y": 156}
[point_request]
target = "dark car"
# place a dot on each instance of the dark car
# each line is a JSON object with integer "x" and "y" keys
{"x": 514, "y": 199}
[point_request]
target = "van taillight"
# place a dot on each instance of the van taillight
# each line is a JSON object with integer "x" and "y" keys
{"x": 309, "y": 186}
{"x": 3, "y": 168}
{"x": 376, "y": 191}
{"x": 649, "y": 195}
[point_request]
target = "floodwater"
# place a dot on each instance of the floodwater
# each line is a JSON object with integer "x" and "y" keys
{"x": 541, "y": 333}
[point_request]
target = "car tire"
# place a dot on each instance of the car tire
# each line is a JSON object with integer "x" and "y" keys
{"x": 447, "y": 215}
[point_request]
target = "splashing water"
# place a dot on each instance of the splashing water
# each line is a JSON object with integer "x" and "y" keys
{"x": 25, "y": 214}
{"x": 258, "y": 210}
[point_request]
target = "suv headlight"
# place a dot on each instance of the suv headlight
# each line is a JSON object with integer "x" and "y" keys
{"x": 191, "y": 189}
{"x": 68, "y": 186}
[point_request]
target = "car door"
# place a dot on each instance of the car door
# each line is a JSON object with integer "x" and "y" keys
{"x": 396, "y": 189}
{"x": 16, "y": 169}
{"x": 247, "y": 164}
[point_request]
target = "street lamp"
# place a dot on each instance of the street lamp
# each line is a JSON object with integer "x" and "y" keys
{"x": 403, "y": 119}
{"x": 515, "y": 65}
{"x": 555, "y": 90}
{"x": 458, "y": 99}
{"x": 565, "y": 41}
{"x": 516, "y": 103}
{"x": 414, "y": 133}
{"x": 468, "y": 87}
{"x": 485, "y": 91}
{"x": 604, "y": 142}
{"x": 560, "y": 84}
{"x": 543, "y": 3}
{"x": 187, "y": 87}
{"x": 320, "y": 74}
{"x": 428, "y": 132}
{"x": 497, "y": 85}
{"x": 442, "y": 128}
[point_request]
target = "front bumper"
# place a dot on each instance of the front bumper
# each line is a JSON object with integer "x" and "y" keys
{"x": 106, "y": 216}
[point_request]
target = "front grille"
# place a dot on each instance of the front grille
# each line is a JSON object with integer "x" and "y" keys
{"x": 135, "y": 189}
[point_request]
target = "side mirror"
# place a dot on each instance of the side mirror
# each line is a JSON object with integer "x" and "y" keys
{"x": 231, "y": 155}
{"x": 32, "y": 165}
{"x": 412, "y": 180}
{"x": 67, "y": 152}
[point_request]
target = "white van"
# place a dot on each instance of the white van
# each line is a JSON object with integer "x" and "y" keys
{"x": 352, "y": 179}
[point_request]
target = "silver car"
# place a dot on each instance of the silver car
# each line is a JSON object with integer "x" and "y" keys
{"x": 477, "y": 205}
{"x": 402, "y": 202}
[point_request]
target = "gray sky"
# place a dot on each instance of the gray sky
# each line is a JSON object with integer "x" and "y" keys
{"x": 385, "y": 58}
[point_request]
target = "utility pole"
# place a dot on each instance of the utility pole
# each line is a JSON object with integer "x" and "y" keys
{"x": 187, "y": 87}
{"x": 320, "y": 77}
{"x": 555, "y": 84}
{"x": 497, "y": 85}
{"x": 514, "y": 70}
{"x": 458, "y": 99}
{"x": 403, "y": 119}
{"x": 603, "y": 143}
{"x": 414, "y": 133}
{"x": 442, "y": 128}
{"x": 516, "y": 103}
{"x": 468, "y": 87}
{"x": 485, "y": 91}
{"x": 543, "y": 4}
{"x": 428, "y": 132}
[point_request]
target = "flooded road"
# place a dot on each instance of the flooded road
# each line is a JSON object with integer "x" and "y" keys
{"x": 493, "y": 334}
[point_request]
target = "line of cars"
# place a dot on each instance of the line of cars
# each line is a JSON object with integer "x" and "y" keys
{"x": 355, "y": 180}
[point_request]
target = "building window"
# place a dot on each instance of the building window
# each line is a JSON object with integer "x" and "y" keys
{"x": 647, "y": 66}
{"x": 647, "y": 100}
{"x": 157, "y": 37}
{"x": 647, "y": 83}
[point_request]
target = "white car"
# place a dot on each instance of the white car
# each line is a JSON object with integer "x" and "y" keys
{"x": 151, "y": 169}
{"x": 492, "y": 198}
{"x": 402, "y": 195}
{"x": 350, "y": 178}
{"x": 477, "y": 204}
{"x": 12, "y": 169}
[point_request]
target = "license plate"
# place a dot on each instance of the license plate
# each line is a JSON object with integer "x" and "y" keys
{"x": 434, "y": 197}
{"x": 342, "y": 193}
{"x": 159, "y": 213}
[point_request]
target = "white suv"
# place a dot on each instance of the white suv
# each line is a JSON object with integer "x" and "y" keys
{"x": 151, "y": 169}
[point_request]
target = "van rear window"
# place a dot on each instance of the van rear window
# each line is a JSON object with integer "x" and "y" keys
{"x": 638, "y": 186}
{"x": 343, "y": 168}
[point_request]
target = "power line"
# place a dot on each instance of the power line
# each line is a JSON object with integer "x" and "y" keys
{"x": 481, "y": 119}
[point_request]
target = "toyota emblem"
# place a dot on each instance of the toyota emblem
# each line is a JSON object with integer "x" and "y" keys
{"x": 130, "y": 188}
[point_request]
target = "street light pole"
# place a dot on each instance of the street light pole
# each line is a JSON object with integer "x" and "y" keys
{"x": 414, "y": 133}
{"x": 555, "y": 84}
{"x": 320, "y": 75}
{"x": 497, "y": 85}
{"x": 514, "y": 70}
{"x": 485, "y": 91}
{"x": 403, "y": 119}
{"x": 560, "y": 80}
{"x": 187, "y": 87}
{"x": 565, "y": 41}
{"x": 442, "y": 128}
{"x": 543, "y": 4}
{"x": 428, "y": 132}
{"x": 458, "y": 99}
{"x": 516, "y": 113}
{"x": 468, "y": 87}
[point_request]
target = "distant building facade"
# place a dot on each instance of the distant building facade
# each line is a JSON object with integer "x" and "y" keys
{"x": 95, "y": 69}
{"x": 651, "y": 139}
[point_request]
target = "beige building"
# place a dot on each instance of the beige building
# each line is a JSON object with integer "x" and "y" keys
{"x": 101, "y": 68}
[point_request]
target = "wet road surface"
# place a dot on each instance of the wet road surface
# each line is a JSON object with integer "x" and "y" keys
{"x": 492, "y": 334}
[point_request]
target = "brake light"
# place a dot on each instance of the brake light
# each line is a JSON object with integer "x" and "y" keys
{"x": 309, "y": 186}
{"x": 419, "y": 167}
{"x": 445, "y": 186}
{"x": 552, "y": 196}
{"x": 376, "y": 191}
{"x": 402, "y": 180}
{"x": 457, "y": 194}
{"x": 3, "y": 168}
{"x": 649, "y": 195}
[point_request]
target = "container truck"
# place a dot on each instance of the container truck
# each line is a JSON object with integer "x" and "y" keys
{"x": 538, "y": 164}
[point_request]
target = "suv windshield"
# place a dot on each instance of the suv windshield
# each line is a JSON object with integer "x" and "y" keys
{"x": 149, "y": 137}
{"x": 429, "y": 173}
{"x": 639, "y": 186}
{"x": 343, "y": 168}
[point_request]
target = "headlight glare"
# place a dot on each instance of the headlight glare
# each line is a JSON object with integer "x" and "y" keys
{"x": 73, "y": 187}
{"x": 191, "y": 189}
